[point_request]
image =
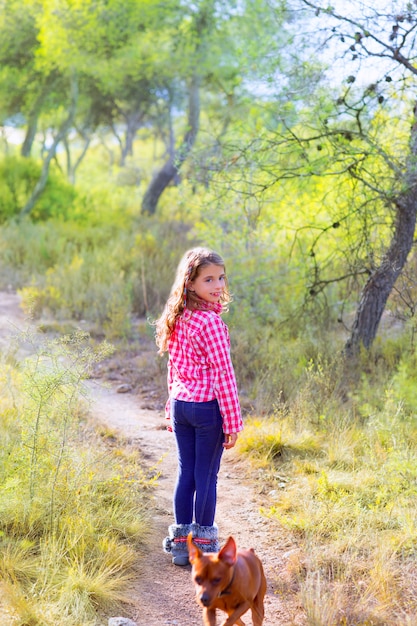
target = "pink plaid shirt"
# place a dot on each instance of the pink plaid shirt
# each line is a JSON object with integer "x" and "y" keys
{"x": 200, "y": 368}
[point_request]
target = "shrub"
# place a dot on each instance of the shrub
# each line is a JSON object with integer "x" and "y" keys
{"x": 18, "y": 177}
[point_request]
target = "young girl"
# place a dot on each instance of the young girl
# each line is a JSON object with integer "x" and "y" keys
{"x": 203, "y": 405}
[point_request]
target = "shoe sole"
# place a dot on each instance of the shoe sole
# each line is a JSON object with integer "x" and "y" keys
{"x": 180, "y": 560}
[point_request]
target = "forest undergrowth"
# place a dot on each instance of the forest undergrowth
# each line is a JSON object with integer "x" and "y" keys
{"x": 334, "y": 447}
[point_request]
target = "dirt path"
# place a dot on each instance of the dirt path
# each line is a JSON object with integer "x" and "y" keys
{"x": 163, "y": 594}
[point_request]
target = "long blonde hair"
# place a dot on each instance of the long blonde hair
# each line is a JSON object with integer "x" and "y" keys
{"x": 180, "y": 298}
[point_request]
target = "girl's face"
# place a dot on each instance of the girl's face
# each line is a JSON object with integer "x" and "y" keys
{"x": 210, "y": 283}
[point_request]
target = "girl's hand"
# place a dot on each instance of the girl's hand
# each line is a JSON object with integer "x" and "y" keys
{"x": 229, "y": 440}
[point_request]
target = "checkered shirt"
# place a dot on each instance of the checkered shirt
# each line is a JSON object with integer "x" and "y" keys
{"x": 200, "y": 368}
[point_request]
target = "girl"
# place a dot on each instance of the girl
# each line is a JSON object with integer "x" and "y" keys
{"x": 203, "y": 405}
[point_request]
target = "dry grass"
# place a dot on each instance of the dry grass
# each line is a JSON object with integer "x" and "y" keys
{"x": 345, "y": 487}
{"x": 73, "y": 504}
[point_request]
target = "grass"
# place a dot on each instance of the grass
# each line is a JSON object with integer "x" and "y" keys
{"x": 74, "y": 503}
{"x": 345, "y": 488}
{"x": 86, "y": 272}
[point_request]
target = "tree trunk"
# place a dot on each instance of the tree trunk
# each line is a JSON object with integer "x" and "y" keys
{"x": 26, "y": 148}
{"x": 380, "y": 284}
{"x": 133, "y": 123}
{"x": 32, "y": 127}
{"x": 72, "y": 168}
{"x": 41, "y": 184}
{"x": 170, "y": 169}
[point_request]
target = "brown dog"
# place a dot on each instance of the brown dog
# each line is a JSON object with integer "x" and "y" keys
{"x": 230, "y": 580}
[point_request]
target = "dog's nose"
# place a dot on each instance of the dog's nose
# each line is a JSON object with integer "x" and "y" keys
{"x": 204, "y": 599}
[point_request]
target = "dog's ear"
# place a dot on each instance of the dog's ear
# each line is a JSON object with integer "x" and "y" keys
{"x": 228, "y": 553}
{"x": 194, "y": 552}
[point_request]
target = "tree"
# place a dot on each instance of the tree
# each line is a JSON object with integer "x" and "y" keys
{"x": 176, "y": 158}
{"x": 65, "y": 126}
{"x": 122, "y": 51}
{"x": 211, "y": 68}
{"x": 352, "y": 127}
{"x": 107, "y": 46}
{"x": 25, "y": 89}
{"x": 375, "y": 33}
{"x": 198, "y": 33}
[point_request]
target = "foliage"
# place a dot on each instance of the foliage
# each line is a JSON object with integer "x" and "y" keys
{"x": 102, "y": 274}
{"x": 17, "y": 179}
{"x": 72, "y": 509}
{"x": 17, "y": 50}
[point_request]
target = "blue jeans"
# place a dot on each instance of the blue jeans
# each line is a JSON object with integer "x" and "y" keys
{"x": 198, "y": 429}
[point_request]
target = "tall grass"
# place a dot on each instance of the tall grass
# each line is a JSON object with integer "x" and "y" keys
{"x": 343, "y": 482}
{"x": 101, "y": 273}
{"x": 73, "y": 510}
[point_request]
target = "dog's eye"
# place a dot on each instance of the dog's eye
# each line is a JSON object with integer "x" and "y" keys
{"x": 216, "y": 581}
{"x": 198, "y": 580}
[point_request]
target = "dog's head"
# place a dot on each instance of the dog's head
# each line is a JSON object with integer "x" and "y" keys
{"x": 211, "y": 573}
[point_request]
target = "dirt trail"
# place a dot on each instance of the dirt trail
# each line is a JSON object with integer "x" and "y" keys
{"x": 163, "y": 593}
